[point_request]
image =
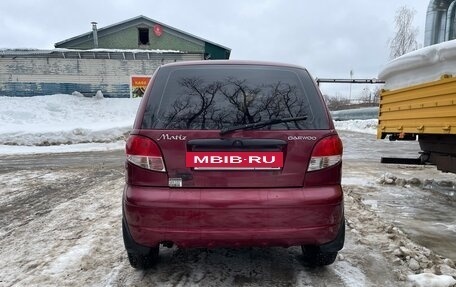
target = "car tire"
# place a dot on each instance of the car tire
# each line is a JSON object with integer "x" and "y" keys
{"x": 140, "y": 257}
{"x": 141, "y": 261}
{"x": 314, "y": 257}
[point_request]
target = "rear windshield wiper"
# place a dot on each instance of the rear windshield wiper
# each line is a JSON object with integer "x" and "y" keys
{"x": 261, "y": 124}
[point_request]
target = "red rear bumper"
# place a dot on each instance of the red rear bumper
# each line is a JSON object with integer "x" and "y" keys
{"x": 233, "y": 217}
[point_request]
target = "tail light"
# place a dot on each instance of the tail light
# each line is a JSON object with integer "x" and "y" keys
{"x": 327, "y": 152}
{"x": 144, "y": 152}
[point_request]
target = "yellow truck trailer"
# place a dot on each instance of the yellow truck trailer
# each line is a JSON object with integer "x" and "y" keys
{"x": 418, "y": 102}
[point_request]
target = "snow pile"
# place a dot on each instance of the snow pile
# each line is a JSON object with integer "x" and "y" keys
{"x": 158, "y": 51}
{"x": 446, "y": 187}
{"x": 420, "y": 66}
{"x": 362, "y": 126}
{"x": 63, "y": 50}
{"x": 65, "y": 119}
{"x": 391, "y": 179}
{"x": 431, "y": 280}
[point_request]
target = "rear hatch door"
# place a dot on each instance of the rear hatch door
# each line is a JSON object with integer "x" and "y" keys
{"x": 242, "y": 159}
{"x": 189, "y": 107}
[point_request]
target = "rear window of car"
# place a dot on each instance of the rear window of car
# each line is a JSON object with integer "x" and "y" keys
{"x": 204, "y": 97}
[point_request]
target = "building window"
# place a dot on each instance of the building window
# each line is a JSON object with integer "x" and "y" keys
{"x": 143, "y": 36}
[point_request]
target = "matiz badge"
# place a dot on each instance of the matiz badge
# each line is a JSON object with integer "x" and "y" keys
{"x": 171, "y": 137}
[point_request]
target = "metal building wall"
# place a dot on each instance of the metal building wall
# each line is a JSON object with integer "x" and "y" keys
{"x": 34, "y": 73}
{"x": 440, "y": 22}
{"x": 128, "y": 39}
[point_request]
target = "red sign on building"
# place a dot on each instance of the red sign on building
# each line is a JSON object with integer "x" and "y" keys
{"x": 158, "y": 30}
{"x": 138, "y": 85}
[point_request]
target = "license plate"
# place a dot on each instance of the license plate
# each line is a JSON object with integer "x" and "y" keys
{"x": 234, "y": 160}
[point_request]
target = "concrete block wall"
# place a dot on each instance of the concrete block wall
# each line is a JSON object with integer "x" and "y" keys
{"x": 34, "y": 75}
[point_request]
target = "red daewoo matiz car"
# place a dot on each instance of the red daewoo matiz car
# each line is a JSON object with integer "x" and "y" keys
{"x": 233, "y": 153}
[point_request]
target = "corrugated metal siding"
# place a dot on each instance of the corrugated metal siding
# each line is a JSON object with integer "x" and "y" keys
{"x": 428, "y": 108}
{"x": 33, "y": 75}
{"x": 125, "y": 35}
{"x": 215, "y": 52}
{"x": 128, "y": 39}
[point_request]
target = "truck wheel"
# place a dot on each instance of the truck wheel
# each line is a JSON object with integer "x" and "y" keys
{"x": 140, "y": 257}
{"x": 314, "y": 257}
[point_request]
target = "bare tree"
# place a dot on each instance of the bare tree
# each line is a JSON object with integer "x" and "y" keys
{"x": 405, "y": 39}
{"x": 366, "y": 96}
{"x": 338, "y": 103}
{"x": 377, "y": 94}
{"x": 214, "y": 105}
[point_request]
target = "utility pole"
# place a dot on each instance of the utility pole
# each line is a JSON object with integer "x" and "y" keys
{"x": 351, "y": 78}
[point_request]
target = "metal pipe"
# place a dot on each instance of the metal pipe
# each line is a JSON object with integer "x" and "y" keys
{"x": 95, "y": 34}
{"x": 436, "y": 21}
{"x": 450, "y": 24}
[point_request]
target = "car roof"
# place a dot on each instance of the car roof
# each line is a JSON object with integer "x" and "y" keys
{"x": 232, "y": 62}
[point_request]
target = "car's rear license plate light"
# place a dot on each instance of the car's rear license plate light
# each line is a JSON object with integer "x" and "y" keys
{"x": 234, "y": 160}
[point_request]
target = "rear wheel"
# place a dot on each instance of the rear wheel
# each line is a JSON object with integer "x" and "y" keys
{"x": 313, "y": 256}
{"x": 325, "y": 254}
{"x": 143, "y": 261}
{"x": 140, "y": 257}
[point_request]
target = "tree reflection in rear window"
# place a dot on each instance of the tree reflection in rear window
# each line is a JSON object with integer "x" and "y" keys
{"x": 204, "y": 97}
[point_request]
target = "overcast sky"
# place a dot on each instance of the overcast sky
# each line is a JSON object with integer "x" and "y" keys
{"x": 328, "y": 37}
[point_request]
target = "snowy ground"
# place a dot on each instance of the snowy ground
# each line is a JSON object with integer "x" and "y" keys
{"x": 60, "y": 214}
